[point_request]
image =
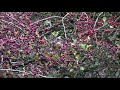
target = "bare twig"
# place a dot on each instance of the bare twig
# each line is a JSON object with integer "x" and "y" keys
{"x": 86, "y": 15}
{"x": 101, "y": 26}
{"x": 82, "y": 15}
{"x": 12, "y": 70}
{"x": 117, "y": 18}
{"x": 45, "y": 19}
{"x": 64, "y": 24}
{"x": 97, "y": 19}
{"x": 95, "y": 26}
{"x": 10, "y": 23}
{"x": 24, "y": 72}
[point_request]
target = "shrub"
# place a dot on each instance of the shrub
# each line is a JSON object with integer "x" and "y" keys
{"x": 55, "y": 46}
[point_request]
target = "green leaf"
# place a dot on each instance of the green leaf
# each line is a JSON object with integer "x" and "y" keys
{"x": 8, "y": 52}
{"x": 74, "y": 52}
{"x": 104, "y": 19}
{"x": 82, "y": 68}
{"x": 88, "y": 46}
{"x": 118, "y": 44}
{"x": 23, "y": 55}
{"x": 55, "y": 57}
{"x": 47, "y": 22}
{"x": 77, "y": 57}
{"x": 117, "y": 74}
{"x": 74, "y": 41}
{"x": 85, "y": 46}
{"x": 111, "y": 26}
{"x": 55, "y": 33}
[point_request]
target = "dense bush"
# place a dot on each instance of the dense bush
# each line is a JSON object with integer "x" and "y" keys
{"x": 61, "y": 44}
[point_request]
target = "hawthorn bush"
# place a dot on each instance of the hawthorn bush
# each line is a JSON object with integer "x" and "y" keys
{"x": 59, "y": 44}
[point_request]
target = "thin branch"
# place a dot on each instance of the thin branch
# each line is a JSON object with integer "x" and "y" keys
{"x": 117, "y": 19}
{"x": 101, "y": 26}
{"x": 95, "y": 26}
{"x": 24, "y": 72}
{"x": 64, "y": 24}
{"x": 97, "y": 19}
{"x": 86, "y": 15}
{"x": 12, "y": 70}
{"x": 83, "y": 13}
{"x": 10, "y": 15}
{"x": 10, "y": 23}
{"x": 45, "y": 19}
{"x": 49, "y": 29}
